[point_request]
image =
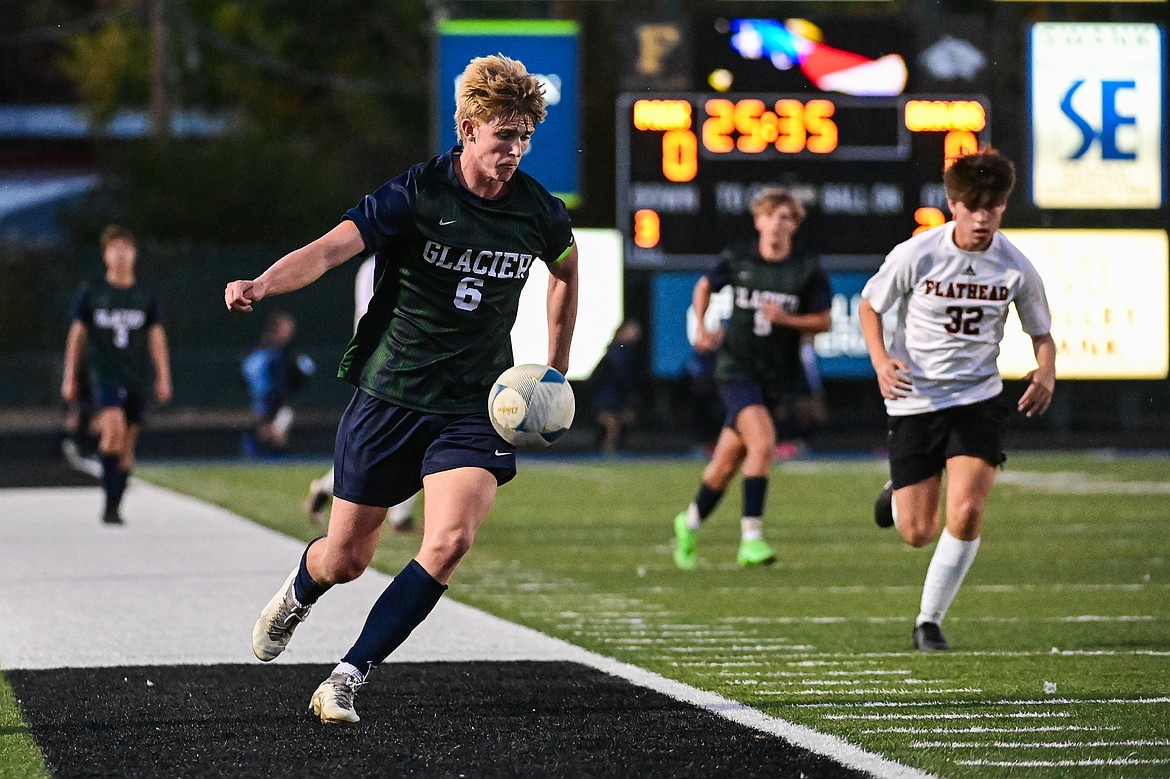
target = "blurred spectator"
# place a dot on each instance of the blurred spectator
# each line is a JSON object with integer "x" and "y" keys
{"x": 614, "y": 382}
{"x": 273, "y": 373}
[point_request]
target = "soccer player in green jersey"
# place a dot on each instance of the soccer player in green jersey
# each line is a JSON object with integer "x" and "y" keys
{"x": 119, "y": 324}
{"x": 779, "y": 295}
{"x": 455, "y": 238}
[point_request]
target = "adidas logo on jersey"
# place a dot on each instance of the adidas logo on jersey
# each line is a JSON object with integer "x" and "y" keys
{"x": 968, "y": 271}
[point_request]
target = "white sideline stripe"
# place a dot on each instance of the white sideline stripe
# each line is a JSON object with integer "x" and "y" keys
{"x": 1042, "y": 729}
{"x": 1112, "y": 761}
{"x": 173, "y": 545}
{"x": 1035, "y": 744}
{"x": 1001, "y": 702}
{"x": 1080, "y": 484}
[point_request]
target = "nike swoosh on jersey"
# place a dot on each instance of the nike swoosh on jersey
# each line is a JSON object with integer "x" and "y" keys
{"x": 445, "y": 222}
{"x": 502, "y": 454}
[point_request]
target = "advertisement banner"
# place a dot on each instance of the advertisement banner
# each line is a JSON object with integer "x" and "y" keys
{"x": 1109, "y": 292}
{"x": 1097, "y": 94}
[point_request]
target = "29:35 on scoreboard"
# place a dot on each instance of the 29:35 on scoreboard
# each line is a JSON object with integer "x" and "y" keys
{"x": 868, "y": 169}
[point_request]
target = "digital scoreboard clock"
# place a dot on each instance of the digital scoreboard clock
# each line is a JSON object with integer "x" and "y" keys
{"x": 868, "y": 169}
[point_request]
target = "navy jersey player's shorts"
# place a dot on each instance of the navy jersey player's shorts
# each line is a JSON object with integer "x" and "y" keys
{"x": 921, "y": 444}
{"x": 383, "y": 451}
{"x": 738, "y": 395}
{"x": 131, "y": 402}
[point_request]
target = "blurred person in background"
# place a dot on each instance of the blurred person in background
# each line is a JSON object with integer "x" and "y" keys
{"x": 321, "y": 489}
{"x": 117, "y": 327}
{"x": 614, "y": 382}
{"x": 780, "y": 294}
{"x": 455, "y": 237}
{"x": 953, "y": 286}
{"x": 272, "y": 373}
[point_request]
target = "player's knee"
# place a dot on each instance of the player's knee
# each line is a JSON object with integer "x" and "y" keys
{"x": 450, "y": 545}
{"x": 916, "y": 534}
{"x": 344, "y": 568}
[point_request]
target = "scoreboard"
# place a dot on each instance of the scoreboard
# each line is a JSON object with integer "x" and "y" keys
{"x": 868, "y": 169}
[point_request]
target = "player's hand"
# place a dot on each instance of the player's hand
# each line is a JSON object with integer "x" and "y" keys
{"x": 776, "y": 314}
{"x": 240, "y": 295}
{"x": 708, "y": 340}
{"x": 894, "y": 380}
{"x": 69, "y": 389}
{"x": 1038, "y": 396}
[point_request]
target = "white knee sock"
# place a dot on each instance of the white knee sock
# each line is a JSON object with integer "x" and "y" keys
{"x": 950, "y": 563}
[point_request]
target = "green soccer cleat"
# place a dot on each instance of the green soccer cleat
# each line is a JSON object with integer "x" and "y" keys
{"x": 755, "y": 553}
{"x": 685, "y": 543}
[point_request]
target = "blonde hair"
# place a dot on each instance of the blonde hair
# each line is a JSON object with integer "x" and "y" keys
{"x": 498, "y": 87}
{"x": 769, "y": 199}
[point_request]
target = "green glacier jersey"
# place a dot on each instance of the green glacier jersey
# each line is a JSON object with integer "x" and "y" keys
{"x": 118, "y": 323}
{"x": 753, "y": 348}
{"x": 448, "y": 273}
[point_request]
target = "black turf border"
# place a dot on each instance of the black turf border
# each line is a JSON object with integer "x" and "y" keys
{"x": 477, "y": 719}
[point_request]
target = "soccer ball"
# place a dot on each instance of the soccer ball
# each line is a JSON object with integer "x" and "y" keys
{"x": 531, "y": 405}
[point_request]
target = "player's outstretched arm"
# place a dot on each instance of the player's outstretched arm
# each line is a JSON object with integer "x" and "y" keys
{"x": 161, "y": 356}
{"x": 561, "y": 305}
{"x": 893, "y": 376}
{"x": 74, "y": 346}
{"x": 1042, "y": 381}
{"x": 297, "y": 269}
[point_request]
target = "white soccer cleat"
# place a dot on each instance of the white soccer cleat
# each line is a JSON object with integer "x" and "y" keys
{"x": 333, "y": 699}
{"x": 277, "y": 621}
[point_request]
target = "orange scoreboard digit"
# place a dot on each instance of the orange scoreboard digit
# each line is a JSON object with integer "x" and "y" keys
{"x": 869, "y": 169}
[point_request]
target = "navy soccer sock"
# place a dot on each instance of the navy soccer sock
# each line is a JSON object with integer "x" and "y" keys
{"x": 113, "y": 482}
{"x": 306, "y": 589}
{"x": 400, "y": 608}
{"x": 706, "y": 500}
{"x": 755, "y": 488}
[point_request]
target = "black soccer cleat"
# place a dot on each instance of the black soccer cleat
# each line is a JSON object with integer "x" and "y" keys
{"x": 928, "y": 637}
{"x": 883, "y": 507}
{"x": 112, "y": 517}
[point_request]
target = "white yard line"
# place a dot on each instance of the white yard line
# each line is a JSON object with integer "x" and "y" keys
{"x": 183, "y": 581}
{"x": 1113, "y": 761}
{"x": 1001, "y": 702}
{"x": 1138, "y": 742}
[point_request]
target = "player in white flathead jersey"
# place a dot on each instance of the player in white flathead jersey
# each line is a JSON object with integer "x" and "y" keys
{"x": 952, "y": 286}
{"x": 954, "y": 304}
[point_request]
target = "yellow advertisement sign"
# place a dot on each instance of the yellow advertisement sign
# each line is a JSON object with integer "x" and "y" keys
{"x": 1109, "y": 292}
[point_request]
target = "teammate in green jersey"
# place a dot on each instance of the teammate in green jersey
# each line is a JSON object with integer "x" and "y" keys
{"x": 779, "y": 295}
{"x": 119, "y": 325}
{"x": 455, "y": 238}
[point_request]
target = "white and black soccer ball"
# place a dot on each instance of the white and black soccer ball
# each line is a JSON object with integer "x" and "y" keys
{"x": 531, "y": 405}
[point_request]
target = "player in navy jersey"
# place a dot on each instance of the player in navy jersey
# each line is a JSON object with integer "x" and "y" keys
{"x": 455, "y": 239}
{"x": 952, "y": 286}
{"x": 117, "y": 324}
{"x": 780, "y": 294}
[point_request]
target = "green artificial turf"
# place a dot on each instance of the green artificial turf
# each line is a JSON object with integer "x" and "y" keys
{"x": 1061, "y": 633}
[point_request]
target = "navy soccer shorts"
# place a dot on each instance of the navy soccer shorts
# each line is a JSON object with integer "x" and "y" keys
{"x": 383, "y": 451}
{"x": 132, "y": 403}
{"x": 738, "y": 395}
{"x": 921, "y": 444}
